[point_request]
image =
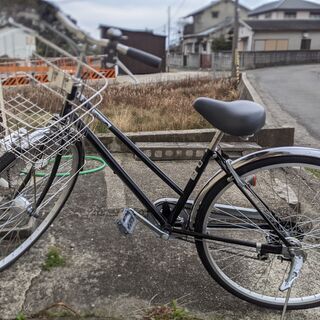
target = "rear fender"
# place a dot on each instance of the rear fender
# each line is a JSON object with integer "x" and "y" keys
{"x": 249, "y": 159}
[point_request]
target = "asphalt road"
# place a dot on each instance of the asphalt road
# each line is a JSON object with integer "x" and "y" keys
{"x": 296, "y": 89}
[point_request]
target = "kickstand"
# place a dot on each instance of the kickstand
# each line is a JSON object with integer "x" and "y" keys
{"x": 286, "y": 304}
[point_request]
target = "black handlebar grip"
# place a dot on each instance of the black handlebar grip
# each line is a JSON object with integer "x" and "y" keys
{"x": 144, "y": 57}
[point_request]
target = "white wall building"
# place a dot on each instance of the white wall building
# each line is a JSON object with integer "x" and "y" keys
{"x": 209, "y": 22}
{"x": 16, "y": 44}
{"x": 287, "y": 9}
{"x": 280, "y": 26}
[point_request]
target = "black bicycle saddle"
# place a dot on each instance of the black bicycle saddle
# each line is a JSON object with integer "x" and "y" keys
{"x": 237, "y": 118}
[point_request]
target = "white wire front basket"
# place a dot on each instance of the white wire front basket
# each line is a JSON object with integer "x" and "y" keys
{"x": 38, "y": 80}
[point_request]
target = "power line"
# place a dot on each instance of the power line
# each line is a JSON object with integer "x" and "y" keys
{"x": 178, "y": 8}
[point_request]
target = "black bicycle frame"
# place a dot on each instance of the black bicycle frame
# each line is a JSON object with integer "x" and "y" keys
{"x": 117, "y": 169}
{"x": 166, "y": 222}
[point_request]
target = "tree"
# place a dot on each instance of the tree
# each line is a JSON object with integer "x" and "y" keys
{"x": 221, "y": 44}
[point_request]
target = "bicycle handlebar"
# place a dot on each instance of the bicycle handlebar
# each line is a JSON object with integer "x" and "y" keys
{"x": 142, "y": 56}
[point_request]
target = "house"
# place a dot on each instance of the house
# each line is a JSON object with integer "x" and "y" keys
{"x": 281, "y": 25}
{"x": 16, "y": 44}
{"x": 287, "y": 9}
{"x": 277, "y": 35}
{"x": 208, "y": 23}
{"x": 144, "y": 40}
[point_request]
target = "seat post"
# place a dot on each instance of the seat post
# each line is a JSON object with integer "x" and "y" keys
{"x": 216, "y": 140}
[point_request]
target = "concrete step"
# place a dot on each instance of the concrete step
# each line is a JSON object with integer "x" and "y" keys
{"x": 192, "y": 151}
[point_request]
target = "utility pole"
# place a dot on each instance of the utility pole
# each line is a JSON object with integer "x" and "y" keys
{"x": 235, "y": 39}
{"x": 169, "y": 31}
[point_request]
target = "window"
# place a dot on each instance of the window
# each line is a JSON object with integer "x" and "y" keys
{"x": 215, "y": 14}
{"x": 196, "y": 47}
{"x": 188, "y": 48}
{"x": 315, "y": 15}
{"x": 282, "y": 45}
{"x": 259, "y": 45}
{"x": 305, "y": 44}
{"x": 271, "y": 45}
{"x": 268, "y": 15}
{"x": 290, "y": 15}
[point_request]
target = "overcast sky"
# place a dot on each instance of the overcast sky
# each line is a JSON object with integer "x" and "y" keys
{"x": 134, "y": 14}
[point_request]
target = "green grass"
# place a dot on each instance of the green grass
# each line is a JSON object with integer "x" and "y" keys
{"x": 53, "y": 259}
{"x": 315, "y": 172}
{"x": 21, "y": 316}
{"x": 171, "y": 312}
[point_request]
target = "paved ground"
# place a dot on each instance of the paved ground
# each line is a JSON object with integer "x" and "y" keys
{"x": 292, "y": 97}
{"x": 110, "y": 275}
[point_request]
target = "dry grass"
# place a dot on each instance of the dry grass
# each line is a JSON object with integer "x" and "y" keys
{"x": 162, "y": 106}
{"x": 148, "y": 107}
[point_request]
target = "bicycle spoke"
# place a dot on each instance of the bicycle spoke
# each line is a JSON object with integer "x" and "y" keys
{"x": 293, "y": 201}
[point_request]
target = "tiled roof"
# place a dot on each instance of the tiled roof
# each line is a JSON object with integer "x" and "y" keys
{"x": 224, "y": 24}
{"x": 212, "y": 3}
{"x": 286, "y": 5}
{"x": 202, "y": 9}
{"x": 284, "y": 25}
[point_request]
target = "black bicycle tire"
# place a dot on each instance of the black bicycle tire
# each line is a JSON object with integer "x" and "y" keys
{"x": 81, "y": 156}
{"x": 213, "y": 192}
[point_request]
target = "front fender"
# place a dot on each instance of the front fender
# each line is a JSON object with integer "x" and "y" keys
{"x": 248, "y": 159}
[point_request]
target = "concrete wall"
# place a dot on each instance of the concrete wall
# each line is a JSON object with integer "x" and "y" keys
{"x": 315, "y": 40}
{"x": 245, "y": 39}
{"x": 176, "y": 60}
{"x": 266, "y": 137}
{"x": 193, "y": 61}
{"x": 221, "y": 61}
{"x": 252, "y": 60}
{"x": 204, "y": 20}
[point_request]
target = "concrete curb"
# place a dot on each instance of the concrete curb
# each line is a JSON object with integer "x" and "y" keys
{"x": 247, "y": 91}
{"x": 266, "y": 138}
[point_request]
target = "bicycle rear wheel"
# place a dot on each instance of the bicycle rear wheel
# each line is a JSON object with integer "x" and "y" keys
{"x": 290, "y": 186}
{"x": 29, "y": 201}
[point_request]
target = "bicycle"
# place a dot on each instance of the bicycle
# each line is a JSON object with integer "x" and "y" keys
{"x": 254, "y": 229}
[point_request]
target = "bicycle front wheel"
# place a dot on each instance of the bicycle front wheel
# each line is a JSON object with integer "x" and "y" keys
{"x": 290, "y": 186}
{"x": 31, "y": 196}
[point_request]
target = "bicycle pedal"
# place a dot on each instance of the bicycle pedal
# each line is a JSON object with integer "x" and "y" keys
{"x": 126, "y": 221}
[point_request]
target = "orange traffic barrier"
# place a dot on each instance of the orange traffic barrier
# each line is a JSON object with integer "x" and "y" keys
{"x": 16, "y": 81}
{"x": 38, "y": 69}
